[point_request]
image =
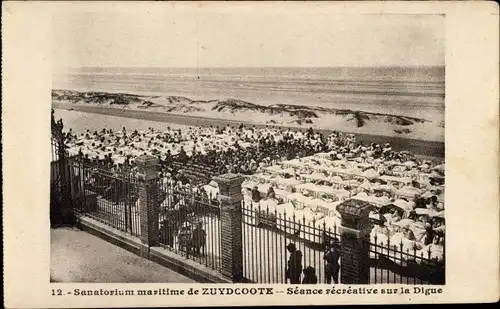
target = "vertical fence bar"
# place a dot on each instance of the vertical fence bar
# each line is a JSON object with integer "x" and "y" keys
{"x": 111, "y": 196}
{"x": 414, "y": 261}
{"x": 85, "y": 175}
{"x": 135, "y": 189}
{"x": 259, "y": 216}
{"x": 336, "y": 235}
{"x": 202, "y": 210}
{"x": 219, "y": 234}
{"x": 124, "y": 197}
{"x": 388, "y": 252}
{"x": 407, "y": 256}
{"x": 325, "y": 241}
{"x": 268, "y": 247}
{"x": 254, "y": 238}
{"x": 376, "y": 257}
{"x": 215, "y": 232}
{"x": 245, "y": 241}
{"x": 176, "y": 221}
{"x": 421, "y": 261}
{"x": 314, "y": 242}
{"x": 275, "y": 251}
{"x": 283, "y": 249}
{"x": 329, "y": 274}
{"x": 280, "y": 249}
{"x": 395, "y": 259}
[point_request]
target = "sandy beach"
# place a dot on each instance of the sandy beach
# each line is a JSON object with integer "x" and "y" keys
{"x": 361, "y": 120}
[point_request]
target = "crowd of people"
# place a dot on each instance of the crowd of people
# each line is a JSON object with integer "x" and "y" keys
{"x": 227, "y": 149}
{"x": 407, "y": 195}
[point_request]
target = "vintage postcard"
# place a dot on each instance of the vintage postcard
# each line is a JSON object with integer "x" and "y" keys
{"x": 250, "y": 153}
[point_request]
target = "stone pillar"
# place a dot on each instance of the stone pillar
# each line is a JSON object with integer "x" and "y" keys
{"x": 148, "y": 202}
{"x": 231, "y": 219}
{"x": 355, "y": 238}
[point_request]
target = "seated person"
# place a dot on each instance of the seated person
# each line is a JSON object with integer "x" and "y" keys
{"x": 256, "y": 195}
{"x": 432, "y": 203}
{"x": 395, "y": 216}
{"x": 270, "y": 193}
{"x": 429, "y": 235}
{"x": 408, "y": 233}
{"x": 413, "y": 215}
{"x": 381, "y": 228}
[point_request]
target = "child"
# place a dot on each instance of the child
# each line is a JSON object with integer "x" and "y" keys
{"x": 310, "y": 276}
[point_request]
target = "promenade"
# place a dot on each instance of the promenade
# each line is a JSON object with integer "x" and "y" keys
{"x": 77, "y": 256}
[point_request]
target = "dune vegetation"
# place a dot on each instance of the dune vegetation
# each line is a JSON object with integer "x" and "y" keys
{"x": 280, "y": 114}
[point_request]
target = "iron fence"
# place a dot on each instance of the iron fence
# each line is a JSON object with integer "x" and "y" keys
{"x": 266, "y": 237}
{"x": 189, "y": 223}
{"x": 267, "y": 233}
{"x": 59, "y": 196}
{"x": 402, "y": 263}
{"x": 107, "y": 196}
{"x": 55, "y": 172}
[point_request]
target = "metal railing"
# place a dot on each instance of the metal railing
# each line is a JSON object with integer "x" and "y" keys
{"x": 189, "y": 223}
{"x": 110, "y": 198}
{"x": 397, "y": 263}
{"x": 266, "y": 237}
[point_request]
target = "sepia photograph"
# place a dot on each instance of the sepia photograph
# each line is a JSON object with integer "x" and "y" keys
{"x": 229, "y": 147}
{"x": 249, "y": 153}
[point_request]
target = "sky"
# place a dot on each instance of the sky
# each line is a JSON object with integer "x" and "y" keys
{"x": 198, "y": 38}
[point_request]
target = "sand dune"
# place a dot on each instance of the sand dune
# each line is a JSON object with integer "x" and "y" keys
{"x": 355, "y": 121}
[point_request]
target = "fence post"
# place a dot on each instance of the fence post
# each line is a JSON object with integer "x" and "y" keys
{"x": 355, "y": 234}
{"x": 231, "y": 234}
{"x": 148, "y": 202}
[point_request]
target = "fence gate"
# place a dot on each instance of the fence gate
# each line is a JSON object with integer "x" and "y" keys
{"x": 60, "y": 200}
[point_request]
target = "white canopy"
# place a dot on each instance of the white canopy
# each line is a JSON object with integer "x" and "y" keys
{"x": 439, "y": 168}
{"x": 370, "y": 173}
{"x": 410, "y": 164}
{"x": 409, "y": 191}
{"x": 387, "y": 188}
{"x": 388, "y": 178}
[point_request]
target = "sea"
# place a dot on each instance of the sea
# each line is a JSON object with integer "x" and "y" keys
{"x": 408, "y": 91}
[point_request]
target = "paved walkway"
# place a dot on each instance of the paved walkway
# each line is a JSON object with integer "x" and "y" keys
{"x": 77, "y": 256}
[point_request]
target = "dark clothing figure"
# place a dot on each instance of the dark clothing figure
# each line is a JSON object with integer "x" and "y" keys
{"x": 332, "y": 267}
{"x": 271, "y": 193}
{"x": 255, "y": 195}
{"x": 198, "y": 239}
{"x": 167, "y": 231}
{"x": 310, "y": 276}
{"x": 420, "y": 203}
{"x": 182, "y": 178}
{"x": 429, "y": 235}
{"x": 294, "y": 266}
{"x": 183, "y": 157}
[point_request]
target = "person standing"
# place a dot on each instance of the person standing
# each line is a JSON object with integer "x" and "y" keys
{"x": 332, "y": 256}
{"x": 270, "y": 193}
{"x": 310, "y": 276}
{"x": 199, "y": 239}
{"x": 294, "y": 266}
